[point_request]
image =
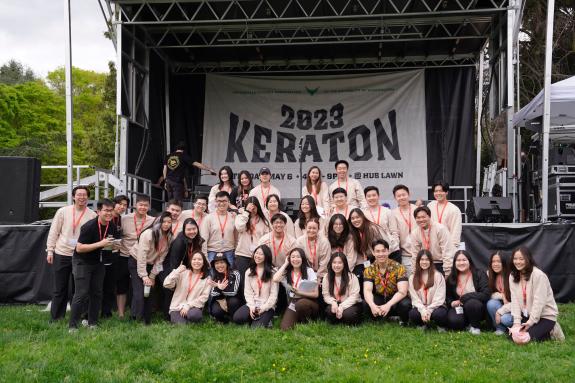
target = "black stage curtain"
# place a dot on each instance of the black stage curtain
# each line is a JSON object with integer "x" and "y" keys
{"x": 25, "y": 277}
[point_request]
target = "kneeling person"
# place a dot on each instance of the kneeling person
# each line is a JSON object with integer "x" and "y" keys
{"x": 340, "y": 289}
{"x": 225, "y": 283}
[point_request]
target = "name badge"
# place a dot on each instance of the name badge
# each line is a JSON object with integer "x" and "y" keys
{"x": 292, "y": 307}
{"x": 459, "y": 310}
{"x": 366, "y": 264}
{"x": 72, "y": 242}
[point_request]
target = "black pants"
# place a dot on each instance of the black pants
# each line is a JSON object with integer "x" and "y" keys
{"x": 63, "y": 286}
{"x": 242, "y": 316}
{"x": 438, "y": 316}
{"x": 400, "y": 309}
{"x": 541, "y": 330}
{"x": 473, "y": 313}
{"x": 141, "y": 306}
{"x": 109, "y": 289}
{"x": 350, "y": 316}
{"x": 219, "y": 314}
{"x": 122, "y": 275}
{"x": 88, "y": 280}
{"x": 358, "y": 272}
{"x": 175, "y": 189}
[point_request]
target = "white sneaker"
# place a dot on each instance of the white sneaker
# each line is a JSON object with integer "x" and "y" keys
{"x": 441, "y": 329}
{"x": 474, "y": 330}
{"x": 499, "y": 332}
{"x": 85, "y": 322}
{"x": 72, "y": 330}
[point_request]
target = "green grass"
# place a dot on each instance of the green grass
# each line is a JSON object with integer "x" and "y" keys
{"x": 32, "y": 350}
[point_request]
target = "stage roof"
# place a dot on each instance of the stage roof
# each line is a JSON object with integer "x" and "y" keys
{"x": 312, "y": 35}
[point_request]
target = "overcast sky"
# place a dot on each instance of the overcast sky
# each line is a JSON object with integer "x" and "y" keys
{"x": 33, "y": 33}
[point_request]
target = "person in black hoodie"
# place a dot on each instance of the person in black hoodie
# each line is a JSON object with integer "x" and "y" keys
{"x": 225, "y": 282}
{"x": 467, "y": 294}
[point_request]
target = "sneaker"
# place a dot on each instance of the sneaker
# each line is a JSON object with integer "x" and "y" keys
{"x": 441, "y": 329}
{"x": 422, "y": 328}
{"x": 499, "y": 332}
{"x": 402, "y": 323}
{"x": 84, "y": 322}
{"x": 474, "y": 330}
{"x": 72, "y": 330}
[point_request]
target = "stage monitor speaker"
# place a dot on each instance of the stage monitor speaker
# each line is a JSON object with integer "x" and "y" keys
{"x": 492, "y": 209}
{"x": 20, "y": 192}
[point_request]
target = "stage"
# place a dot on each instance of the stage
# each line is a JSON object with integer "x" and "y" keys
{"x": 25, "y": 277}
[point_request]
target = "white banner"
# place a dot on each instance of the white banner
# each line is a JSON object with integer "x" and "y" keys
{"x": 375, "y": 122}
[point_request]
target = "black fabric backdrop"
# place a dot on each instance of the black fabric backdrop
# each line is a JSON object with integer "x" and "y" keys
{"x": 25, "y": 276}
{"x": 450, "y": 100}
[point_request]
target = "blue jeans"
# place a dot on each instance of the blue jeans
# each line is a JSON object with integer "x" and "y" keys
{"x": 506, "y": 320}
{"x": 228, "y": 254}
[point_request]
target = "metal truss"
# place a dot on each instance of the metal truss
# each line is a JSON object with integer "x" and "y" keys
{"x": 318, "y": 65}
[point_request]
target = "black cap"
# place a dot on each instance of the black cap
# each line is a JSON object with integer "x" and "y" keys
{"x": 265, "y": 170}
{"x": 219, "y": 257}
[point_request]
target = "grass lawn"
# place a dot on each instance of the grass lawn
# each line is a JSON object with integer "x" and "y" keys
{"x": 33, "y": 350}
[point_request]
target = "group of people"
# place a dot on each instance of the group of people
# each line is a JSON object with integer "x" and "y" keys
{"x": 239, "y": 257}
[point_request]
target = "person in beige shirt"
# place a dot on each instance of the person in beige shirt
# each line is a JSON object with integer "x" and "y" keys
{"x": 190, "y": 282}
{"x": 405, "y": 221}
{"x": 318, "y": 189}
{"x": 265, "y": 188}
{"x": 316, "y": 247}
{"x": 133, "y": 225}
{"x": 198, "y": 213}
{"x": 60, "y": 245}
{"x": 339, "y": 203}
{"x": 352, "y": 187}
{"x": 308, "y": 209}
{"x": 251, "y": 225}
{"x": 278, "y": 240}
{"x": 434, "y": 237}
{"x": 273, "y": 207}
{"x": 218, "y": 230}
{"x": 175, "y": 208}
{"x": 226, "y": 183}
{"x": 382, "y": 217}
{"x": 146, "y": 262}
{"x": 341, "y": 240}
{"x": 340, "y": 289}
{"x": 260, "y": 291}
{"x": 445, "y": 212}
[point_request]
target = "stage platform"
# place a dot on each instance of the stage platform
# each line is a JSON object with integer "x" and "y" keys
{"x": 25, "y": 277}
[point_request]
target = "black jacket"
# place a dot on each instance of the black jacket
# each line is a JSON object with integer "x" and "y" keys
{"x": 481, "y": 284}
{"x": 231, "y": 290}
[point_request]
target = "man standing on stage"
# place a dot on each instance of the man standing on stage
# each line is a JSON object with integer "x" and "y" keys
{"x": 382, "y": 217}
{"x": 219, "y": 231}
{"x": 93, "y": 250}
{"x": 132, "y": 225}
{"x": 352, "y": 187}
{"x": 60, "y": 245}
{"x": 434, "y": 237}
{"x": 445, "y": 212}
{"x": 405, "y": 221}
{"x": 265, "y": 188}
{"x": 175, "y": 171}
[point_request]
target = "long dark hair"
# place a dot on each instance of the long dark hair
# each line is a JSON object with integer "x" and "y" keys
{"x": 530, "y": 263}
{"x": 312, "y": 211}
{"x": 259, "y": 213}
{"x": 419, "y": 270}
{"x": 268, "y": 266}
{"x": 345, "y": 277}
{"x": 187, "y": 261}
{"x": 303, "y": 267}
{"x": 368, "y": 228}
{"x": 333, "y": 238}
{"x": 454, "y": 272}
{"x": 308, "y": 184}
{"x": 504, "y": 275}
{"x": 230, "y": 177}
{"x": 193, "y": 244}
{"x": 156, "y": 228}
{"x": 241, "y": 189}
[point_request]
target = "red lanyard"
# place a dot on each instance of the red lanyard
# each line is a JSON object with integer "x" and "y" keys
{"x": 314, "y": 252}
{"x": 74, "y": 222}
{"x": 273, "y": 241}
{"x": 499, "y": 282}
{"x": 295, "y": 281}
{"x": 384, "y": 282}
{"x": 222, "y": 227}
{"x": 338, "y": 185}
{"x": 426, "y": 241}
{"x": 425, "y": 290}
{"x": 139, "y": 231}
{"x": 440, "y": 216}
{"x": 336, "y": 289}
{"x": 461, "y": 288}
{"x": 198, "y": 221}
{"x": 175, "y": 229}
{"x": 100, "y": 230}
{"x": 260, "y": 283}
{"x": 524, "y": 291}
{"x": 314, "y": 193}
{"x": 406, "y": 221}
{"x": 192, "y": 285}
{"x": 378, "y": 214}
{"x": 264, "y": 196}
{"x": 345, "y": 215}
{"x": 253, "y": 225}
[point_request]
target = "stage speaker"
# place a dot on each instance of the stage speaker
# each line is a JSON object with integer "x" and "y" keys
{"x": 492, "y": 209}
{"x": 20, "y": 191}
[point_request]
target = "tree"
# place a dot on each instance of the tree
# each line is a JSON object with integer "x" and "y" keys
{"x": 13, "y": 73}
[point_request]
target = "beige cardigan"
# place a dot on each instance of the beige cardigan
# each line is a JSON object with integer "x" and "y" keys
{"x": 247, "y": 242}
{"x": 182, "y": 299}
{"x": 62, "y": 237}
{"x": 266, "y": 299}
{"x": 540, "y": 300}
{"x": 145, "y": 253}
{"x": 435, "y": 294}
{"x": 348, "y": 299}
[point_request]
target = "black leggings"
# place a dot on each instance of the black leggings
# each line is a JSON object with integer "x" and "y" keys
{"x": 350, "y": 316}
{"x": 541, "y": 330}
{"x": 400, "y": 309}
{"x": 242, "y": 316}
{"x": 473, "y": 314}
{"x": 438, "y": 316}
{"x": 216, "y": 311}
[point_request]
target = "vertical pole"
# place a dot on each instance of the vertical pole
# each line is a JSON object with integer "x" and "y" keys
{"x": 69, "y": 106}
{"x": 511, "y": 136}
{"x": 167, "y": 107}
{"x": 547, "y": 109}
{"x": 478, "y": 137}
{"x": 519, "y": 148}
